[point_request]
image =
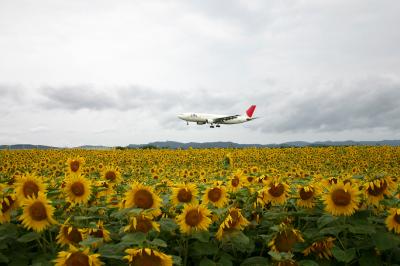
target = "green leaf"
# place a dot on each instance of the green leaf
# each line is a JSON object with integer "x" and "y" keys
{"x": 83, "y": 218}
{"x": 168, "y": 225}
{"x": 136, "y": 238}
{"x": 90, "y": 240}
{"x": 176, "y": 260}
{"x": 159, "y": 243}
{"x": 240, "y": 240}
{"x": 385, "y": 240}
{"x": 325, "y": 220}
{"x": 255, "y": 261}
{"x": 8, "y": 230}
{"x": 202, "y": 236}
{"x": 344, "y": 255}
{"x": 28, "y": 237}
{"x": 334, "y": 230}
{"x": 362, "y": 229}
{"x": 369, "y": 259}
{"x": 207, "y": 262}
{"x": 225, "y": 261}
{"x": 308, "y": 263}
{"x": 203, "y": 249}
{"x": 3, "y": 259}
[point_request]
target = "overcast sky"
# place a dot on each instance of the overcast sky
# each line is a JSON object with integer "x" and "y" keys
{"x": 118, "y": 72}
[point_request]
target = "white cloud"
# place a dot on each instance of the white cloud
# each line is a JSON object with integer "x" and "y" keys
{"x": 118, "y": 72}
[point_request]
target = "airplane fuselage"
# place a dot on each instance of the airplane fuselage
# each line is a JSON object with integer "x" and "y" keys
{"x": 201, "y": 118}
{"x": 214, "y": 119}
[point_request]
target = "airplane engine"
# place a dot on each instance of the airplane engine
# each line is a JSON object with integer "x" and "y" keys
{"x": 201, "y": 123}
{"x": 210, "y": 121}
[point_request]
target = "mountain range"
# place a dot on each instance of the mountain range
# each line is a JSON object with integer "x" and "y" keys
{"x": 219, "y": 144}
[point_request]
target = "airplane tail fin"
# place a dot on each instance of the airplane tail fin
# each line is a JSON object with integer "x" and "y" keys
{"x": 250, "y": 111}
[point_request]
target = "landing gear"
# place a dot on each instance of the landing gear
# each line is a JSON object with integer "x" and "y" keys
{"x": 187, "y": 123}
{"x": 211, "y": 126}
{"x": 218, "y": 126}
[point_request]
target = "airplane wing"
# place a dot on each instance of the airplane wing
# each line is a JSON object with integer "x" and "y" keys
{"x": 223, "y": 119}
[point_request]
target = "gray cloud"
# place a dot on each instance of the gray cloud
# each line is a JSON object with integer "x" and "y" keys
{"x": 131, "y": 98}
{"x": 362, "y": 104}
{"x": 367, "y": 104}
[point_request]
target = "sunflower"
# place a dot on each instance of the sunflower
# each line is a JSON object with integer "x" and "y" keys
{"x": 307, "y": 195}
{"x": 104, "y": 189}
{"x": 7, "y": 204}
{"x": 321, "y": 248}
{"x": 275, "y": 192}
{"x": 69, "y": 235}
{"x": 29, "y": 185}
{"x": 74, "y": 165}
{"x": 100, "y": 232}
{"x": 37, "y": 213}
{"x": 234, "y": 222}
{"x": 327, "y": 182}
{"x": 285, "y": 239}
{"x": 78, "y": 189}
{"x": 254, "y": 170}
{"x": 111, "y": 174}
{"x": 184, "y": 193}
{"x": 376, "y": 189}
{"x": 236, "y": 181}
{"x": 393, "y": 220}
{"x": 341, "y": 199}
{"x": 216, "y": 195}
{"x": 142, "y": 223}
{"x": 75, "y": 257}
{"x": 194, "y": 218}
{"x": 141, "y": 196}
{"x": 147, "y": 256}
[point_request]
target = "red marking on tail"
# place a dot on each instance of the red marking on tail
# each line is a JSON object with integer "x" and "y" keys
{"x": 250, "y": 111}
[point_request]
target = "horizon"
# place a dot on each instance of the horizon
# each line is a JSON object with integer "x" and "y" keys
{"x": 120, "y": 72}
{"x": 207, "y": 142}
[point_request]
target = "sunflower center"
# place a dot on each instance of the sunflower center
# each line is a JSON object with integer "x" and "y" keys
{"x": 38, "y": 211}
{"x": 333, "y": 181}
{"x": 110, "y": 175}
{"x": 143, "y": 199}
{"x": 305, "y": 195}
{"x": 98, "y": 233}
{"x": 4, "y": 206}
{"x": 341, "y": 197}
{"x": 78, "y": 189}
{"x": 376, "y": 191}
{"x": 235, "y": 181}
{"x": 276, "y": 191}
{"x": 235, "y": 218}
{"x": 143, "y": 225}
{"x": 193, "y": 217}
{"x": 30, "y": 188}
{"x": 184, "y": 195}
{"x": 397, "y": 218}
{"x": 74, "y": 236}
{"x": 285, "y": 241}
{"x": 77, "y": 259}
{"x": 214, "y": 194}
{"x": 74, "y": 166}
{"x": 146, "y": 260}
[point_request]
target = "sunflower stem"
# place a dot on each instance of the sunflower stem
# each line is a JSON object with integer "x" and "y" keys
{"x": 186, "y": 251}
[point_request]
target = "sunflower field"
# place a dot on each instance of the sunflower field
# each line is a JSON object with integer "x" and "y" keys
{"x": 291, "y": 206}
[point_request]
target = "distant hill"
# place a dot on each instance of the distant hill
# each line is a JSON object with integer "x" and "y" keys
{"x": 176, "y": 145}
{"x": 219, "y": 144}
{"x": 26, "y": 147}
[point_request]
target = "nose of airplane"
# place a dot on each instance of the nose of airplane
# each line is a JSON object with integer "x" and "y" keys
{"x": 181, "y": 116}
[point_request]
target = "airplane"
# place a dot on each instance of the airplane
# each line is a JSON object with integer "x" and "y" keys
{"x": 216, "y": 120}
